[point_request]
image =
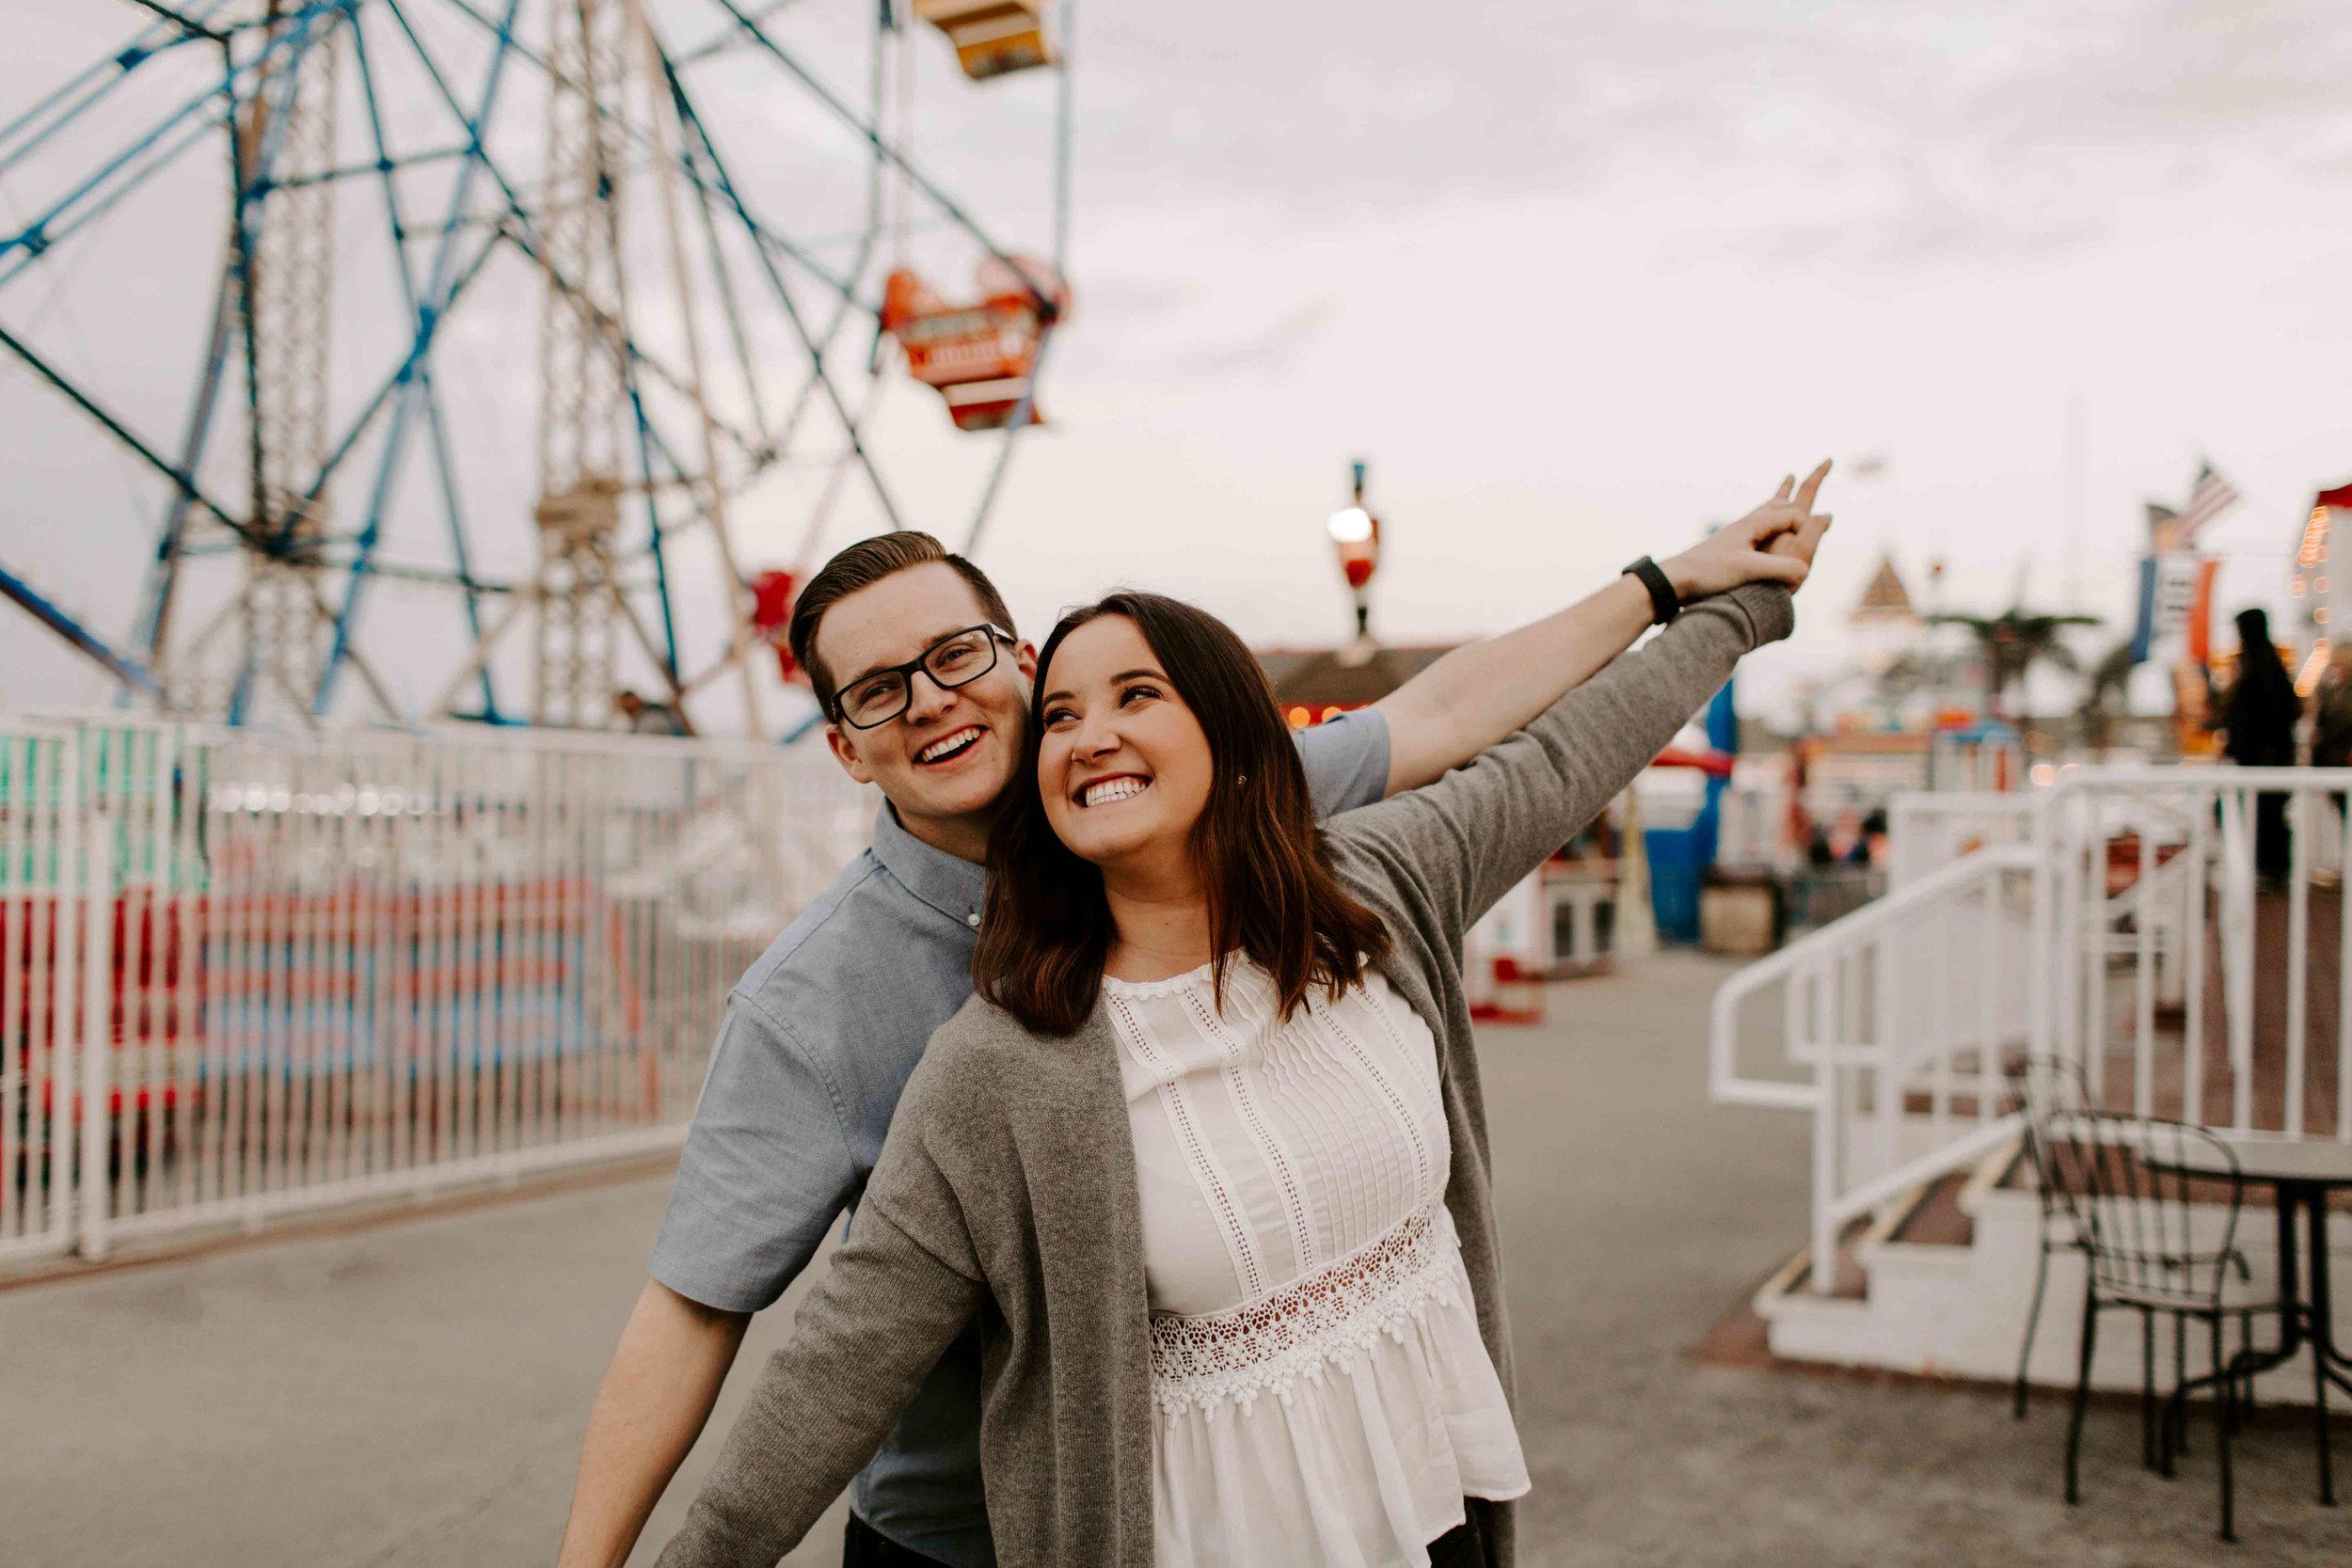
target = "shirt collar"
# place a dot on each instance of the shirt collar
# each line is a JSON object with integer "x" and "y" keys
{"x": 948, "y": 884}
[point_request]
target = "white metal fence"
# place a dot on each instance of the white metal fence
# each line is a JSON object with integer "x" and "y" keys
{"x": 2138, "y": 929}
{"x": 1930, "y": 829}
{"x": 242, "y": 974}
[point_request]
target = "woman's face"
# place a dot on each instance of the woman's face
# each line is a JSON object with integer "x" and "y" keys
{"x": 1123, "y": 764}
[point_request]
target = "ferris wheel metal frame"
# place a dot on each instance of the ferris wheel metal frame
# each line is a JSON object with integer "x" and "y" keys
{"x": 632, "y": 449}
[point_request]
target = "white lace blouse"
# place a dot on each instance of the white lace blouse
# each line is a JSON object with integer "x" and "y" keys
{"x": 1316, "y": 1359}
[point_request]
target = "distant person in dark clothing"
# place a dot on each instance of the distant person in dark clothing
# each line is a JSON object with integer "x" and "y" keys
{"x": 2259, "y": 718}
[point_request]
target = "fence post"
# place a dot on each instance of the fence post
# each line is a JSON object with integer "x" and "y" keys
{"x": 97, "y": 1042}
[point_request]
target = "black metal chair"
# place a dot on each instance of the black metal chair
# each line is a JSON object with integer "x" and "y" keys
{"x": 2039, "y": 1088}
{"x": 2148, "y": 1252}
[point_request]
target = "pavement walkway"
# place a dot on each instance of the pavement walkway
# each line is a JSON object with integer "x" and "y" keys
{"x": 412, "y": 1394}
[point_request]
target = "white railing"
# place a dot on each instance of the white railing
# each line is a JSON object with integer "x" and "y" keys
{"x": 45, "y": 932}
{"x": 2132, "y": 932}
{"x": 2150, "y": 869}
{"x": 1930, "y": 829}
{"x": 243, "y": 974}
{"x": 1892, "y": 1027}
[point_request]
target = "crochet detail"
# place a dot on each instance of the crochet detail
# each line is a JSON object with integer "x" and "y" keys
{"x": 1325, "y": 1318}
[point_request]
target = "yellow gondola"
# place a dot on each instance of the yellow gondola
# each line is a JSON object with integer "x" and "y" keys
{"x": 991, "y": 36}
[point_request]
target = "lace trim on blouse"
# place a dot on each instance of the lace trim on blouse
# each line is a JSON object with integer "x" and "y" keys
{"x": 1321, "y": 1318}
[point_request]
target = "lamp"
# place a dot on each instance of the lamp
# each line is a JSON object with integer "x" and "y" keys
{"x": 1356, "y": 538}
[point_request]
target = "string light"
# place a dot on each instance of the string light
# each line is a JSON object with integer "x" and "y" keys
{"x": 2312, "y": 667}
{"x": 2314, "y": 549}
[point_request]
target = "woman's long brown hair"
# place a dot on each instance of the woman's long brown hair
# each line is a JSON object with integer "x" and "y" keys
{"x": 1046, "y": 932}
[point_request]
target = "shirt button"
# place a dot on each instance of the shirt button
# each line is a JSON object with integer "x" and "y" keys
{"x": 973, "y": 919}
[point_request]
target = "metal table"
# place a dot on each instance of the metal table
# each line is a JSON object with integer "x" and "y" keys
{"x": 2304, "y": 1171}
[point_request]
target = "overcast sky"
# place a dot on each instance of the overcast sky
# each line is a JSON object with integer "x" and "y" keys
{"x": 1576, "y": 280}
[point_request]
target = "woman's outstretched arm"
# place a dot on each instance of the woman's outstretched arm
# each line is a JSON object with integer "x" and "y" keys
{"x": 1469, "y": 837}
{"x": 890, "y": 1302}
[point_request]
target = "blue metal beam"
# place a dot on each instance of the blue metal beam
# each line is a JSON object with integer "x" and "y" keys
{"x": 384, "y": 165}
{"x": 156, "y": 41}
{"x": 439, "y": 293}
{"x": 36, "y": 603}
{"x": 189, "y": 26}
{"x": 35, "y": 235}
{"x": 397, "y": 224}
{"x": 163, "y": 574}
{"x": 731, "y": 307}
{"x": 653, "y": 527}
{"x": 185, "y": 483}
{"x": 32, "y": 246}
{"x": 783, "y": 296}
{"x": 778, "y": 438}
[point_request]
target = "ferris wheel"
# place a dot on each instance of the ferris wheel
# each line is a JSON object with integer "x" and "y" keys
{"x": 485, "y": 359}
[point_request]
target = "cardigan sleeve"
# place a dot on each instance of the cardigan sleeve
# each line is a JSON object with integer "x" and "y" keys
{"x": 1466, "y": 839}
{"x": 891, "y": 1300}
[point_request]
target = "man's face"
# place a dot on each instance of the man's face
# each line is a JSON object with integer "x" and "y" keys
{"x": 948, "y": 758}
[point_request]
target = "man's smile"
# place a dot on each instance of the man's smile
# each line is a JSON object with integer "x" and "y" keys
{"x": 950, "y": 746}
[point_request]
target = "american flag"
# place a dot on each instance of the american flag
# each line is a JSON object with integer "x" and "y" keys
{"x": 2208, "y": 498}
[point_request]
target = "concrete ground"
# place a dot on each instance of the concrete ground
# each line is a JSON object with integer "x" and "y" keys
{"x": 412, "y": 1394}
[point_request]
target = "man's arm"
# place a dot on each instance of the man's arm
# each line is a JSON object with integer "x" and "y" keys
{"x": 1477, "y": 694}
{"x": 655, "y": 1396}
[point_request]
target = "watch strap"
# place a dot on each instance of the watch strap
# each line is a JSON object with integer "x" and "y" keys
{"x": 1665, "y": 603}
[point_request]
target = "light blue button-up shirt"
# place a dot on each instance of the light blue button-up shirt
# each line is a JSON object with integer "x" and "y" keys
{"x": 819, "y": 1037}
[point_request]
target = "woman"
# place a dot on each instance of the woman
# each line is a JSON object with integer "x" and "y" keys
{"x": 1207, "y": 1153}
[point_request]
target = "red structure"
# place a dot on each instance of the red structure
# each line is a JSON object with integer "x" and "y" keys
{"x": 773, "y": 594}
{"x": 980, "y": 357}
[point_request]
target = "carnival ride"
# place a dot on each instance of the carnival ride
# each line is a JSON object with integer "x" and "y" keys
{"x": 703, "y": 242}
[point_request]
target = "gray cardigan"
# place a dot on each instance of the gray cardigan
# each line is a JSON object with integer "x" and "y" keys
{"x": 1006, "y": 1187}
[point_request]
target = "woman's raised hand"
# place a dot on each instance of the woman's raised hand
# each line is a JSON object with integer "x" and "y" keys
{"x": 1772, "y": 544}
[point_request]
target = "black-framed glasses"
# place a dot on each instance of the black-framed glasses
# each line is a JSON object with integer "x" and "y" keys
{"x": 875, "y": 699}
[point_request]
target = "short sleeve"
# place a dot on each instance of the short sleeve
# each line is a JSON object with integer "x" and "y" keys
{"x": 1346, "y": 760}
{"x": 765, "y": 1169}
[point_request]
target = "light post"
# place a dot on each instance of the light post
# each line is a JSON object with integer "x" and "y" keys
{"x": 1356, "y": 538}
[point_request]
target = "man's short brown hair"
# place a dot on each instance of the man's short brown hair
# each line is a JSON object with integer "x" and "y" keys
{"x": 862, "y": 565}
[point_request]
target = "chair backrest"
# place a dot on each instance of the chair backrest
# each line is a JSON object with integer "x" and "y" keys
{"x": 2037, "y": 1088}
{"x": 2151, "y": 1228}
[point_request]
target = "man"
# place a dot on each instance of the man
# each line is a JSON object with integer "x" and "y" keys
{"x": 915, "y": 659}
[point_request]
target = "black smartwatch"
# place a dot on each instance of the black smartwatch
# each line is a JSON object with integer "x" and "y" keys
{"x": 1665, "y": 603}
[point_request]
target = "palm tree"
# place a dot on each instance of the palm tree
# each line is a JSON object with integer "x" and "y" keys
{"x": 2013, "y": 642}
{"x": 1905, "y": 677}
{"x": 2104, "y": 701}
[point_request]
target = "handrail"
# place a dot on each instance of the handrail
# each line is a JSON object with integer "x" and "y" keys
{"x": 1838, "y": 935}
{"x": 2203, "y": 776}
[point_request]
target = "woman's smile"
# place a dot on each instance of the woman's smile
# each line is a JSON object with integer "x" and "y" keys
{"x": 1110, "y": 789}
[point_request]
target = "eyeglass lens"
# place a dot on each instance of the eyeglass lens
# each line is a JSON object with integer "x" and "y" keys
{"x": 956, "y": 662}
